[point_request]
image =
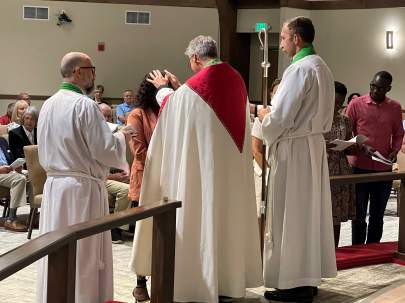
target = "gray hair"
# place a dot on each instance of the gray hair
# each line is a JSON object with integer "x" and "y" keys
{"x": 204, "y": 47}
{"x": 33, "y": 111}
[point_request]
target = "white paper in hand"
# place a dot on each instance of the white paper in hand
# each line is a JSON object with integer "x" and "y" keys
{"x": 113, "y": 127}
{"x": 380, "y": 158}
{"x": 17, "y": 163}
{"x": 342, "y": 144}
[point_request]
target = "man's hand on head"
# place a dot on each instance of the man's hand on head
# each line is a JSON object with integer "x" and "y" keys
{"x": 5, "y": 169}
{"x": 174, "y": 81}
{"x": 263, "y": 112}
{"x": 157, "y": 79}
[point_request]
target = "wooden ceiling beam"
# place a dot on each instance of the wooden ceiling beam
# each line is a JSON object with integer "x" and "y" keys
{"x": 257, "y": 3}
{"x": 234, "y": 47}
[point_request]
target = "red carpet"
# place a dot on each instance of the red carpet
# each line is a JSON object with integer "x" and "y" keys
{"x": 367, "y": 254}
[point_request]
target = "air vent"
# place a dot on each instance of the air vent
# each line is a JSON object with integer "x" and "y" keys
{"x": 137, "y": 17}
{"x": 36, "y": 13}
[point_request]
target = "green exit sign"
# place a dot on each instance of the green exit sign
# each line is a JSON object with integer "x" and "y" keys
{"x": 261, "y": 25}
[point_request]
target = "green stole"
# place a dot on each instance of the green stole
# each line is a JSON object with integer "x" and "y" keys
{"x": 305, "y": 51}
{"x": 71, "y": 87}
{"x": 213, "y": 62}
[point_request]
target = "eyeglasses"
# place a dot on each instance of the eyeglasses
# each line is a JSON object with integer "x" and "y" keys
{"x": 93, "y": 68}
{"x": 376, "y": 87}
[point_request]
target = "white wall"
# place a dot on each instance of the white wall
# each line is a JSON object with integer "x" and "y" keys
{"x": 31, "y": 50}
{"x": 353, "y": 44}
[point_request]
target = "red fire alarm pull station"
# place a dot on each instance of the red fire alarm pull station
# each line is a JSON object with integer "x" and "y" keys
{"x": 101, "y": 46}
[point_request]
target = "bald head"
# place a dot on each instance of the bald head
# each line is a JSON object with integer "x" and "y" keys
{"x": 106, "y": 111}
{"x": 77, "y": 68}
{"x": 70, "y": 61}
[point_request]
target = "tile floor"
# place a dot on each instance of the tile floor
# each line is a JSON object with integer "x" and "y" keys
{"x": 353, "y": 285}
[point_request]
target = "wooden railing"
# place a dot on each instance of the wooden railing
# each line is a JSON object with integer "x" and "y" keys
{"x": 376, "y": 177}
{"x": 60, "y": 247}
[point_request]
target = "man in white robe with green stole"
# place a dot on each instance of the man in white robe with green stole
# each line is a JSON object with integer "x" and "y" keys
{"x": 300, "y": 251}
{"x": 200, "y": 154}
{"x": 76, "y": 149}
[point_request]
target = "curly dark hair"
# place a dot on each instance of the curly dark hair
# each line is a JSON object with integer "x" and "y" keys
{"x": 146, "y": 95}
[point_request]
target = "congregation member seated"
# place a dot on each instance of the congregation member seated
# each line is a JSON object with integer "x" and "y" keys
{"x": 24, "y": 96}
{"x": 126, "y": 107}
{"x": 25, "y": 134}
{"x": 6, "y": 119}
{"x": 343, "y": 196}
{"x": 116, "y": 184}
{"x": 17, "y": 184}
{"x": 98, "y": 94}
{"x": 143, "y": 119}
{"x": 19, "y": 108}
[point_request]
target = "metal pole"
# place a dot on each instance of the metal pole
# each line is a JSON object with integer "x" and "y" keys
{"x": 265, "y": 75}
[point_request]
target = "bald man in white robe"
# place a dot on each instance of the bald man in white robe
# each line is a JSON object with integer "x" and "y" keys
{"x": 76, "y": 149}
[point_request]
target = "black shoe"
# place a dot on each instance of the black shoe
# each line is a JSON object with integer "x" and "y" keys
{"x": 302, "y": 294}
{"x": 116, "y": 236}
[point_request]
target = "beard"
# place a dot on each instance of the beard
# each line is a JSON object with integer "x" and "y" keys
{"x": 89, "y": 88}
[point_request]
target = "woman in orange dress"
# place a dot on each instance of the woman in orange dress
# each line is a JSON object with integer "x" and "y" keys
{"x": 143, "y": 119}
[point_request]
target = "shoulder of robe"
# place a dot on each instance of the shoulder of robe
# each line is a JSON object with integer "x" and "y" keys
{"x": 85, "y": 106}
{"x": 298, "y": 70}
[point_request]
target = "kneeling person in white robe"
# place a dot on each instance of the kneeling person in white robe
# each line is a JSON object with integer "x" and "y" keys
{"x": 200, "y": 154}
{"x": 76, "y": 149}
{"x": 300, "y": 251}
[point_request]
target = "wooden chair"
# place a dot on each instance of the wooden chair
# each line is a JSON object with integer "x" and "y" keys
{"x": 4, "y": 131}
{"x": 37, "y": 176}
{"x": 5, "y": 200}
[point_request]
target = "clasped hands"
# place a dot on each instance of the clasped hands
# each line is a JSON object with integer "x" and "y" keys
{"x": 5, "y": 169}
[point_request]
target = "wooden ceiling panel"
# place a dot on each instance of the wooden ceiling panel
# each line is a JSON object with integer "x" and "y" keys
{"x": 345, "y": 4}
{"x": 384, "y": 3}
{"x": 185, "y": 3}
{"x": 295, "y": 3}
{"x": 315, "y": 5}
